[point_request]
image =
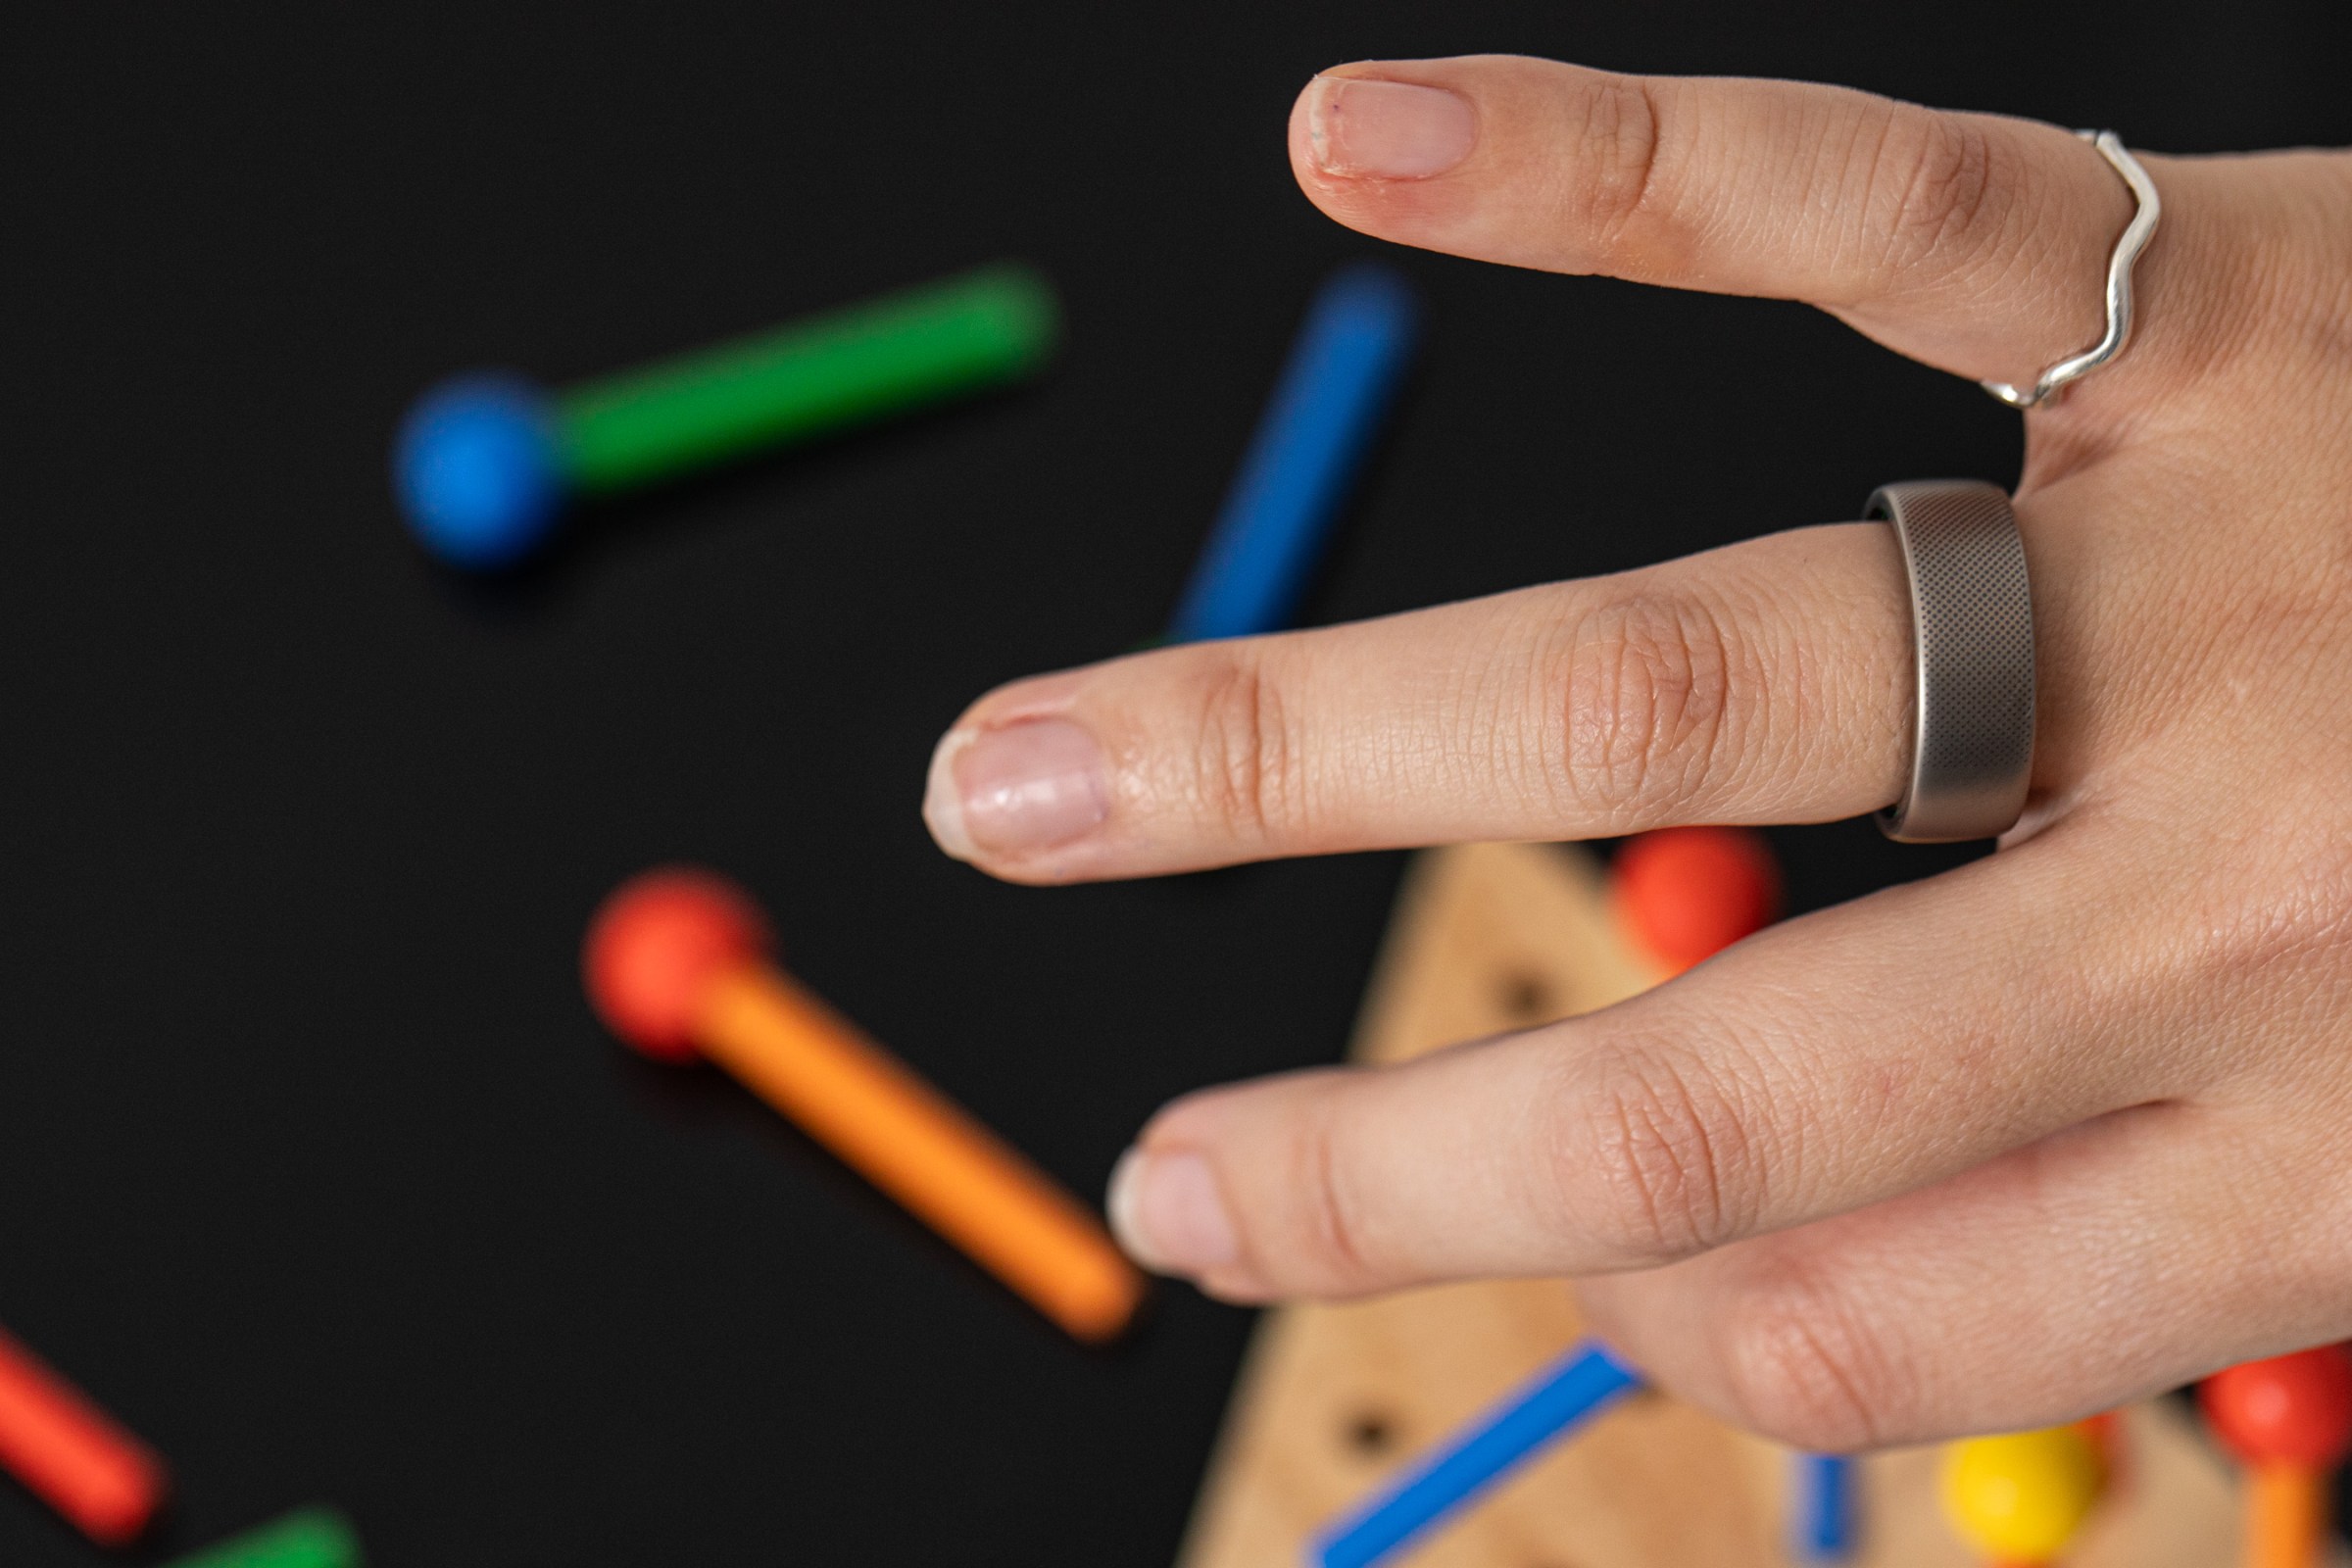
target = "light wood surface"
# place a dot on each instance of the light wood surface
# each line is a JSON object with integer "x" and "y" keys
{"x": 1335, "y": 1398}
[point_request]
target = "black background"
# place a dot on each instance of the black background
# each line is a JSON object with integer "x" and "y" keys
{"x": 313, "y": 1163}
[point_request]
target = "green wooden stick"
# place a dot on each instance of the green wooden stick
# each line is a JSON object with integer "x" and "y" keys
{"x": 313, "y": 1538}
{"x": 806, "y": 378}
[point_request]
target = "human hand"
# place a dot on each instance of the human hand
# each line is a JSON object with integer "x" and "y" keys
{"x": 1994, "y": 1150}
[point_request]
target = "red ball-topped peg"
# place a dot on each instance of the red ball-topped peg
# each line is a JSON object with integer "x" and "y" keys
{"x": 2288, "y": 1420}
{"x": 676, "y": 965}
{"x": 1684, "y": 893}
{"x": 653, "y": 950}
{"x": 2290, "y": 1410}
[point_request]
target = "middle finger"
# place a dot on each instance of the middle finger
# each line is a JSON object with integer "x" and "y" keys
{"x": 1766, "y": 681}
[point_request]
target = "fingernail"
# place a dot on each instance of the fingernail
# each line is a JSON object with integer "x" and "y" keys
{"x": 1385, "y": 129}
{"x": 1167, "y": 1213}
{"x": 1027, "y": 786}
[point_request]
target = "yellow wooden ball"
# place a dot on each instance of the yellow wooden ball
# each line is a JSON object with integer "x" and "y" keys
{"x": 2021, "y": 1499}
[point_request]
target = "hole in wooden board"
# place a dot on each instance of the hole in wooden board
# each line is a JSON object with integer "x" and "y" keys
{"x": 1526, "y": 999}
{"x": 1370, "y": 1434}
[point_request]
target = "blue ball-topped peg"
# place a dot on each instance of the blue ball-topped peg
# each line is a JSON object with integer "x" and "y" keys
{"x": 479, "y": 471}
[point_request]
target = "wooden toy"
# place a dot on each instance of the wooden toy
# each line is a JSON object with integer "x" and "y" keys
{"x": 487, "y": 462}
{"x": 676, "y": 965}
{"x": 1552, "y": 1404}
{"x": 71, "y": 1454}
{"x": 1350, "y": 352}
{"x": 1684, "y": 893}
{"x": 2021, "y": 1498}
{"x": 1336, "y": 1396}
{"x": 2288, "y": 1420}
{"x": 1827, "y": 1527}
{"x": 1680, "y": 896}
{"x": 313, "y": 1538}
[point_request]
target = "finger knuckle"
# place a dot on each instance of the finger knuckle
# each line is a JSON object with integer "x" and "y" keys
{"x": 1655, "y": 1150}
{"x": 2288, "y": 925}
{"x": 1939, "y": 184}
{"x": 1330, "y": 1244}
{"x": 1652, "y": 684}
{"x": 1246, "y": 759}
{"x": 1617, "y": 166}
{"x": 1799, "y": 1365}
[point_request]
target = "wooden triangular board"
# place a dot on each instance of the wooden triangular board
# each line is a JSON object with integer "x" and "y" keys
{"x": 1333, "y": 1398}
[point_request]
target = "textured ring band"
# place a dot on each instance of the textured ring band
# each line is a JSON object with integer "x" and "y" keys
{"x": 1972, "y": 635}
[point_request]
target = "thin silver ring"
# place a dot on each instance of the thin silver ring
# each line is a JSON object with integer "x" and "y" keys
{"x": 2136, "y": 237}
{"x": 1972, "y": 635}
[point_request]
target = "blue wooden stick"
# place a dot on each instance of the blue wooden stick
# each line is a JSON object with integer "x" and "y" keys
{"x": 1571, "y": 1390}
{"x": 1349, "y": 353}
{"x": 1825, "y": 1513}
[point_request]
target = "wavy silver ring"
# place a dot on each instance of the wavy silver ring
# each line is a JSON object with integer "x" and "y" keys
{"x": 1972, "y": 640}
{"x": 2137, "y": 235}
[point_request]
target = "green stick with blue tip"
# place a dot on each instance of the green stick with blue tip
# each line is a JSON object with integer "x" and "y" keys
{"x": 315, "y": 1538}
{"x": 1342, "y": 376}
{"x": 485, "y": 464}
{"x": 1572, "y": 1391}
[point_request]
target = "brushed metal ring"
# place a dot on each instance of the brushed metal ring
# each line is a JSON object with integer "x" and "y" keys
{"x": 1972, "y": 637}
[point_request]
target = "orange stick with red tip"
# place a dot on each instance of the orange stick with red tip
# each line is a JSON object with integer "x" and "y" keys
{"x": 2288, "y": 1420}
{"x": 2286, "y": 1516}
{"x": 71, "y": 1454}
{"x": 676, "y": 965}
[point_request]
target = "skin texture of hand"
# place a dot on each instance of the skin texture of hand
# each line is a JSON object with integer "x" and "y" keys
{"x": 1994, "y": 1150}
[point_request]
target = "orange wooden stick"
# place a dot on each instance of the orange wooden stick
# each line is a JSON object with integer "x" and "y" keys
{"x": 904, "y": 1135}
{"x": 2286, "y": 1516}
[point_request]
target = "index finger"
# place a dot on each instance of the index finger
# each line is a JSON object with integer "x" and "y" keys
{"x": 1977, "y": 243}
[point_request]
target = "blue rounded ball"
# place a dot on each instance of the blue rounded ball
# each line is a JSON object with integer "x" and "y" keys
{"x": 478, "y": 471}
